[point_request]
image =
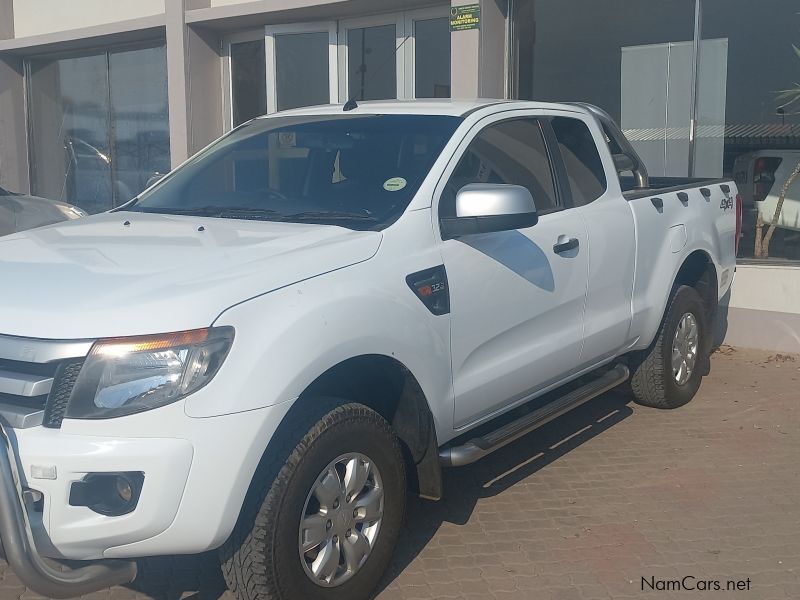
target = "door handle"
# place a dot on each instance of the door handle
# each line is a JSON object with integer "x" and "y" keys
{"x": 564, "y": 244}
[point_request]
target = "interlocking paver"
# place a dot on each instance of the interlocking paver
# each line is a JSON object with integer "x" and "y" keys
{"x": 587, "y": 506}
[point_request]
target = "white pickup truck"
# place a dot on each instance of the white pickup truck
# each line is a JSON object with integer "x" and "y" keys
{"x": 262, "y": 351}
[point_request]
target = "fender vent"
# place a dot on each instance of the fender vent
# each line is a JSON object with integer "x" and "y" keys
{"x": 430, "y": 286}
{"x": 57, "y": 401}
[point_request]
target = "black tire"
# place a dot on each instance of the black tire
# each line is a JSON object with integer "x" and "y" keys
{"x": 261, "y": 559}
{"x": 652, "y": 380}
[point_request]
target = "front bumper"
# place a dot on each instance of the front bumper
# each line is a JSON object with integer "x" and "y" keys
{"x": 77, "y": 532}
{"x": 20, "y": 549}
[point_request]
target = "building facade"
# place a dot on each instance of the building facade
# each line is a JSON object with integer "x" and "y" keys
{"x": 97, "y": 97}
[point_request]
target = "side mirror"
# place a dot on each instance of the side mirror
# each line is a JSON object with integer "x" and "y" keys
{"x": 490, "y": 207}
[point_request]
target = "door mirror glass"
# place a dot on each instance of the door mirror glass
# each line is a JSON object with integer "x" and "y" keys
{"x": 490, "y": 207}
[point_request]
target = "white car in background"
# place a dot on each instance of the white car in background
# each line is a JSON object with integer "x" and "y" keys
{"x": 760, "y": 176}
{"x": 19, "y": 212}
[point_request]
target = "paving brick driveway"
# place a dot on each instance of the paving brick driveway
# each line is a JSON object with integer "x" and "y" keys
{"x": 597, "y": 500}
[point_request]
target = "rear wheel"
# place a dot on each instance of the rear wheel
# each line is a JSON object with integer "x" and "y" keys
{"x": 325, "y": 528}
{"x": 668, "y": 374}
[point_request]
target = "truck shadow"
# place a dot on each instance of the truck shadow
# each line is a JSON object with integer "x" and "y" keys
{"x": 465, "y": 486}
{"x": 199, "y": 577}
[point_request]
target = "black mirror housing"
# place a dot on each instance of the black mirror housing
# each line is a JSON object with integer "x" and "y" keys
{"x": 454, "y": 227}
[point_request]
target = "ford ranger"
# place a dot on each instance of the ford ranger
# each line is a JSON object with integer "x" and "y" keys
{"x": 264, "y": 350}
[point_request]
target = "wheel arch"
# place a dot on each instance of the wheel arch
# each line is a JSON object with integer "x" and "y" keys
{"x": 387, "y": 386}
{"x": 699, "y": 272}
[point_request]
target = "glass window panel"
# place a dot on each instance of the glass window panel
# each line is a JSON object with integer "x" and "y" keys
{"x": 70, "y": 131}
{"x": 358, "y": 171}
{"x": 432, "y": 58}
{"x": 99, "y": 125}
{"x": 248, "y": 80}
{"x": 748, "y": 128}
{"x": 511, "y": 152}
{"x": 587, "y": 178}
{"x": 140, "y": 119}
{"x": 372, "y": 64}
{"x": 302, "y": 69}
{"x": 631, "y": 58}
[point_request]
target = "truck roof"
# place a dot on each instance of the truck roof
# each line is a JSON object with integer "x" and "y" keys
{"x": 443, "y": 106}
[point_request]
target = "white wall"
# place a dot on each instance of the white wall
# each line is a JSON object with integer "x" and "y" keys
{"x": 767, "y": 287}
{"x": 37, "y": 17}
{"x": 764, "y": 309}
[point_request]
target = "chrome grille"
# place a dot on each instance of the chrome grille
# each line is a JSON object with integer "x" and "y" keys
{"x": 25, "y": 379}
{"x": 36, "y": 379}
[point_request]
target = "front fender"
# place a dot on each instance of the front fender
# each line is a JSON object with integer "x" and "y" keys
{"x": 288, "y": 338}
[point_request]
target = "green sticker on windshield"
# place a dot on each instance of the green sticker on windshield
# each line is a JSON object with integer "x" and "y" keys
{"x": 395, "y": 184}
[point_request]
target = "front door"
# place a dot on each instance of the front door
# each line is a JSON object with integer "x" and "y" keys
{"x": 517, "y": 297}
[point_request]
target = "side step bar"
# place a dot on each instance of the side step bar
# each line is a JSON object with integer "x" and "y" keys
{"x": 477, "y": 448}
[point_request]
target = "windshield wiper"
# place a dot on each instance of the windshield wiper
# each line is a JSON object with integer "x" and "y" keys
{"x": 230, "y": 212}
{"x": 332, "y": 215}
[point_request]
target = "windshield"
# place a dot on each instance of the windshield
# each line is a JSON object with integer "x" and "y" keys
{"x": 357, "y": 171}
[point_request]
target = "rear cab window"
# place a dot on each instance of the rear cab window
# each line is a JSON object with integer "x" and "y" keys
{"x": 582, "y": 162}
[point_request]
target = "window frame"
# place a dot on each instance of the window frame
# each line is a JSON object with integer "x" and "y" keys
{"x": 272, "y": 31}
{"x": 405, "y": 55}
{"x": 563, "y": 198}
{"x": 94, "y": 50}
{"x": 410, "y": 49}
{"x": 345, "y": 25}
{"x": 251, "y": 35}
{"x": 561, "y": 163}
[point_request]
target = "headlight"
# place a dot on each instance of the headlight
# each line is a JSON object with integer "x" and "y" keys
{"x": 122, "y": 376}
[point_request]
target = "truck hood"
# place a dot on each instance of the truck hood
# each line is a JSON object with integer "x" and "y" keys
{"x": 126, "y": 273}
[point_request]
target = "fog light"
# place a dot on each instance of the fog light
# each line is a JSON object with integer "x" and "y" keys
{"x": 110, "y": 494}
{"x": 124, "y": 489}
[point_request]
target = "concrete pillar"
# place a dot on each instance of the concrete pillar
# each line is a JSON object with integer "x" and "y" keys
{"x": 13, "y": 132}
{"x": 205, "y": 88}
{"x": 177, "y": 80}
{"x": 195, "y": 82}
{"x": 478, "y": 56}
{"x": 6, "y": 19}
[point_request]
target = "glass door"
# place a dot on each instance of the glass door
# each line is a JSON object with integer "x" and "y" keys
{"x": 302, "y": 65}
{"x": 99, "y": 124}
{"x": 399, "y": 55}
{"x": 247, "y": 85}
{"x": 371, "y": 60}
{"x": 427, "y": 53}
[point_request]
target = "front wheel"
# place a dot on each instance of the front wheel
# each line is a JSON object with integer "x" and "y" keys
{"x": 668, "y": 374}
{"x": 325, "y": 527}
